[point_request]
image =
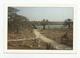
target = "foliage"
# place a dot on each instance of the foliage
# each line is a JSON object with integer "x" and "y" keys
{"x": 44, "y": 23}
{"x": 16, "y": 22}
{"x": 68, "y": 23}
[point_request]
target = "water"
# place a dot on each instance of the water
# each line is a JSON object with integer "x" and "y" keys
{"x": 50, "y": 26}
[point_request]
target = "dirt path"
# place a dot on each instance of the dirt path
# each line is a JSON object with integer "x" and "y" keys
{"x": 53, "y": 43}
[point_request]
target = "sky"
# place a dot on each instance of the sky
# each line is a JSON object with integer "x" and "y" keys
{"x": 48, "y": 13}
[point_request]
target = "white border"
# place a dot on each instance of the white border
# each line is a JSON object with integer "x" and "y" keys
{"x": 37, "y": 5}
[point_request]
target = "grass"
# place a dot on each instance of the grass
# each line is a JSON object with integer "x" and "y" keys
{"x": 60, "y": 36}
{"x": 57, "y": 34}
{"x": 29, "y": 43}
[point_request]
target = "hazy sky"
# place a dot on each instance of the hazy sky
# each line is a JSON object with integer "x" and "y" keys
{"x": 50, "y": 13}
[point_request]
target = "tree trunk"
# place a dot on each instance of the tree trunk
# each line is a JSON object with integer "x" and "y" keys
{"x": 44, "y": 26}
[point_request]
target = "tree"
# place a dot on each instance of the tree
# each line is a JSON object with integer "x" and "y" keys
{"x": 16, "y": 22}
{"x": 68, "y": 23}
{"x": 44, "y": 23}
{"x": 11, "y": 16}
{"x": 47, "y": 23}
{"x": 12, "y": 13}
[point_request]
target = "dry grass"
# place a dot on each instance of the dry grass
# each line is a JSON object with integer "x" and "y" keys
{"x": 29, "y": 43}
{"x": 25, "y": 33}
{"x": 60, "y": 36}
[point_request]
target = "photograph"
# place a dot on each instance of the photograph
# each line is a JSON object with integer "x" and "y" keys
{"x": 40, "y": 28}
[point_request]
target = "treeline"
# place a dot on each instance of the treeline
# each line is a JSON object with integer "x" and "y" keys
{"x": 68, "y": 23}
